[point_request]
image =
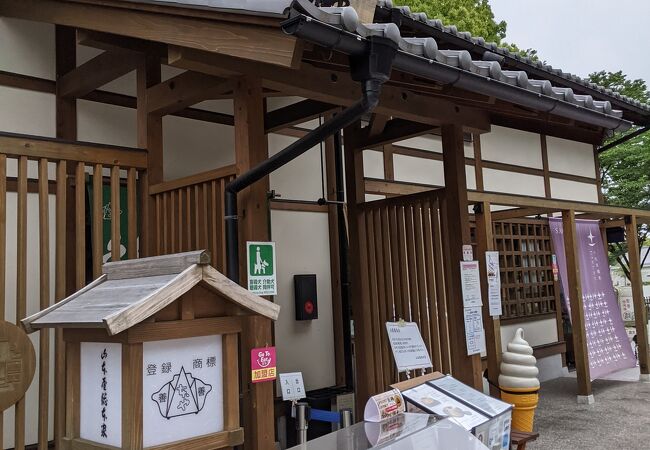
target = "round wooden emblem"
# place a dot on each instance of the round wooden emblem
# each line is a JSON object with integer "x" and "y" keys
{"x": 17, "y": 364}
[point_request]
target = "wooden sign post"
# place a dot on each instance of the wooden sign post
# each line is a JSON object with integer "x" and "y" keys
{"x": 152, "y": 355}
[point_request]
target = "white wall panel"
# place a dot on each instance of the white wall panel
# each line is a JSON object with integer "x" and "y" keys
{"x": 571, "y": 157}
{"x": 302, "y": 242}
{"x": 192, "y": 147}
{"x": 27, "y": 48}
{"x": 106, "y": 124}
{"x": 512, "y": 147}
{"x": 301, "y": 178}
{"x": 418, "y": 170}
{"x": 373, "y": 164}
{"x": 573, "y": 190}
{"x": 426, "y": 142}
{"x": 513, "y": 183}
{"x": 27, "y": 112}
{"x": 538, "y": 332}
{"x": 470, "y": 173}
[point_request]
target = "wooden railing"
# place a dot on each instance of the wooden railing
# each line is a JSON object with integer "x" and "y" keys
{"x": 189, "y": 214}
{"x": 53, "y": 168}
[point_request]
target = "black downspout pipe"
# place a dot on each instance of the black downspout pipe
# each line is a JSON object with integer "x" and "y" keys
{"x": 344, "y": 270}
{"x": 372, "y": 69}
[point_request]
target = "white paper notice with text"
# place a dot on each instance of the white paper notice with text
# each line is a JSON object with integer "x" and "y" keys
{"x": 471, "y": 284}
{"x": 494, "y": 282}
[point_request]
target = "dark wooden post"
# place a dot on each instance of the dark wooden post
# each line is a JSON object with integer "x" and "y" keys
{"x": 577, "y": 310}
{"x": 251, "y": 148}
{"x": 366, "y": 384}
{"x": 456, "y": 234}
{"x": 640, "y": 311}
{"x": 150, "y": 137}
{"x": 485, "y": 241}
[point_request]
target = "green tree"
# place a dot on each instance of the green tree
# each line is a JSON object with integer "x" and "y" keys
{"x": 625, "y": 169}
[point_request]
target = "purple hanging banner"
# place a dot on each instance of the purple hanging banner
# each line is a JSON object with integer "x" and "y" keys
{"x": 608, "y": 346}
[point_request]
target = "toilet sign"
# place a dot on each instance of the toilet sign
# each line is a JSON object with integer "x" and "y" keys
{"x": 262, "y": 277}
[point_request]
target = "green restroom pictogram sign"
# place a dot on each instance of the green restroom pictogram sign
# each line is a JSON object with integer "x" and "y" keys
{"x": 261, "y": 268}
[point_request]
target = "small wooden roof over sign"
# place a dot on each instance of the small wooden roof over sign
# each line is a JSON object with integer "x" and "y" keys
{"x": 129, "y": 292}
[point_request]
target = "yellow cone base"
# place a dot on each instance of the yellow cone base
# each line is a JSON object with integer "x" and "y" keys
{"x": 525, "y": 403}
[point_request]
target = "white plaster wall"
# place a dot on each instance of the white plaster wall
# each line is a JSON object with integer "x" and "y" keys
{"x": 427, "y": 142}
{"x": 27, "y": 112}
{"x": 106, "y": 124}
{"x": 418, "y": 170}
{"x": 539, "y": 332}
{"x": 512, "y": 147}
{"x": 301, "y": 178}
{"x": 513, "y": 183}
{"x": 573, "y": 190}
{"x": 27, "y": 48}
{"x": 373, "y": 164}
{"x": 302, "y": 244}
{"x": 570, "y": 157}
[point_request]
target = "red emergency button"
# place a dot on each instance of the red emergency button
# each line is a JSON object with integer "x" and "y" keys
{"x": 309, "y": 307}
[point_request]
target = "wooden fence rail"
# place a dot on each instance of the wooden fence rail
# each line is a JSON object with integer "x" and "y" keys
{"x": 405, "y": 276}
{"x": 189, "y": 214}
{"x": 69, "y": 167}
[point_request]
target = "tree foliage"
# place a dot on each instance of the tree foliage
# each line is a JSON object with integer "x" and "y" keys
{"x": 625, "y": 169}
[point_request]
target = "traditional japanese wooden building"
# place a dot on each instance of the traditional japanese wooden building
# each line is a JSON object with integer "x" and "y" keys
{"x": 369, "y": 142}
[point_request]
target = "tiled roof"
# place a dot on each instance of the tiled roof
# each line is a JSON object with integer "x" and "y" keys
{"x": 502, "y": 51}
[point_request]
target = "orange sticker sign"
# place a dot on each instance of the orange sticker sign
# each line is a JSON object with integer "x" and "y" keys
{"x": 263, "y": 366}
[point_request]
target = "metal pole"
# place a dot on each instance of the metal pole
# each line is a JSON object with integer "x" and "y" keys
{"x": 302, "y": 422}
{"x": 346, "y": 418}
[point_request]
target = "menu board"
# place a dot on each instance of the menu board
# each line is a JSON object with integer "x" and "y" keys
{"x": 434, "y": 401}
{"x": 487, "y": 405}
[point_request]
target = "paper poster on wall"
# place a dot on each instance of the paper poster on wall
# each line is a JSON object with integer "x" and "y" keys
{"x": 474, "y": 332}
{"x": 100, "y": 417}
{"x": 262, "y": 277}
{"x": 182, "y": 389}
{"x": 471, "y": 283}
{"x": 407, "y": 345}
{"x": 494, "y": 282}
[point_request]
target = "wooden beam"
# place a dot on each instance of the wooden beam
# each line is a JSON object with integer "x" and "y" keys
{"x": 545, "y": 167}
{"x": 183, "y": 91}
{"x": 485, "y": 243}
{"x": 95, "y": 73}
{"x": 456, "y": 223}
{"x": 27, "y": 82}
{"x": 113, "y": 42}
{"x": 395, "y": 130}
{"x": 516, "y": 213}
{"x": 333, "y": 87}
{"x": 251, "y": 42}
{"x": 391, "y": 188}
{"x": 640, "y": 310}
{"x": 577, "y": 309}
{"x": 377, "y": 124}
{"x": 295, "y": 114}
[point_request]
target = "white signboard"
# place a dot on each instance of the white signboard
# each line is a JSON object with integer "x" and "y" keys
{"x": 409, "y": 350}
{"x": 182, "y": 389}
{"x": 474, "y": 333}
{"x": 261, "y": 267}
{"x": 101, "y": 393}
{"x": 494, "y": 282}
{"x": 292, "y": 385}
{"x": 471, "y": 283}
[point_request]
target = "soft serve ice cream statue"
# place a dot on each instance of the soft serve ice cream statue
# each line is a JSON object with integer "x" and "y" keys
{"x": 519, "y": 383}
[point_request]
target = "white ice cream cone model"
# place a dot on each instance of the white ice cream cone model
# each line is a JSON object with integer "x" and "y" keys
{"x": 519, "y": 383}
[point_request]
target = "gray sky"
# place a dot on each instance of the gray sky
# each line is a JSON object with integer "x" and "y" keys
{"x": 582, "y": 36}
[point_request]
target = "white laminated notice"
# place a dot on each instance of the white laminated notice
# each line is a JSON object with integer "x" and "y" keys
{"x": 474, "y": 332}
{"x": 471, "y": 284}
{"x": 494, "y": 282}
{"x": 384, "y": 406}
{"x": 408, "y": 348}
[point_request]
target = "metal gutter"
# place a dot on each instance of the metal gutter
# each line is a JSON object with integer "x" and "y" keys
{"x": 624, "y": 139}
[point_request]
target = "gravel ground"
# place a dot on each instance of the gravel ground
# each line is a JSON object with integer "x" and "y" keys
{"x": 619, "y": 419}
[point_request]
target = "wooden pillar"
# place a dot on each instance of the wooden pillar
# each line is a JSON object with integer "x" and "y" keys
{"x": 456, "y": 233}
{"x": 577, "y": 309}
{"x": 640, "y": 311}
{"x": 150, "y": 137}
{"x": 251, "y": 148}
{"x": 66, "y": 128}
{"x": 257, "y": 401}
{"x": 485, "y": 241}
{"x": 364, "y": 360}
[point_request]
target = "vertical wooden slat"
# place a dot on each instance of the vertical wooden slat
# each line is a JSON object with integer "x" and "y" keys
{"x": 165, "y": 222}
{"x": 44, "y": 284}
{"x": 188, "y": 218}
{"x": 230, "y": 378}
{"x": 441, "y": 299}
{"x": 215, "y": 229}
{"x": 158, "y": 224}
{"x": 98, "y": 220}
{"x": 403, "y": 264}
{"x": 21, "y": 283}
{"x": 421, "y": 281}
{"x": 432, "y": 283}
{"x": 197, "y": 217}
{"x": 204, "y": 216}
{"x": 374, "y": 296}
{"x": 382, "y": 270}
{"x": 181, "y": 222}
{"x": 116, "y": 210}
{"x": 411, "y": 263}
{"x": 80, "y": 225}
{"x": 390, "y": 291}
{"x": 173, "y": 245}
{"x": 394, "y": 262}
{"x": 73, "y": 389}
{"x": 221, "y": 219}
{"x": 3, "y": 251}
{"x": 60, "y": 286}
{"x": 131, "y": 198}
